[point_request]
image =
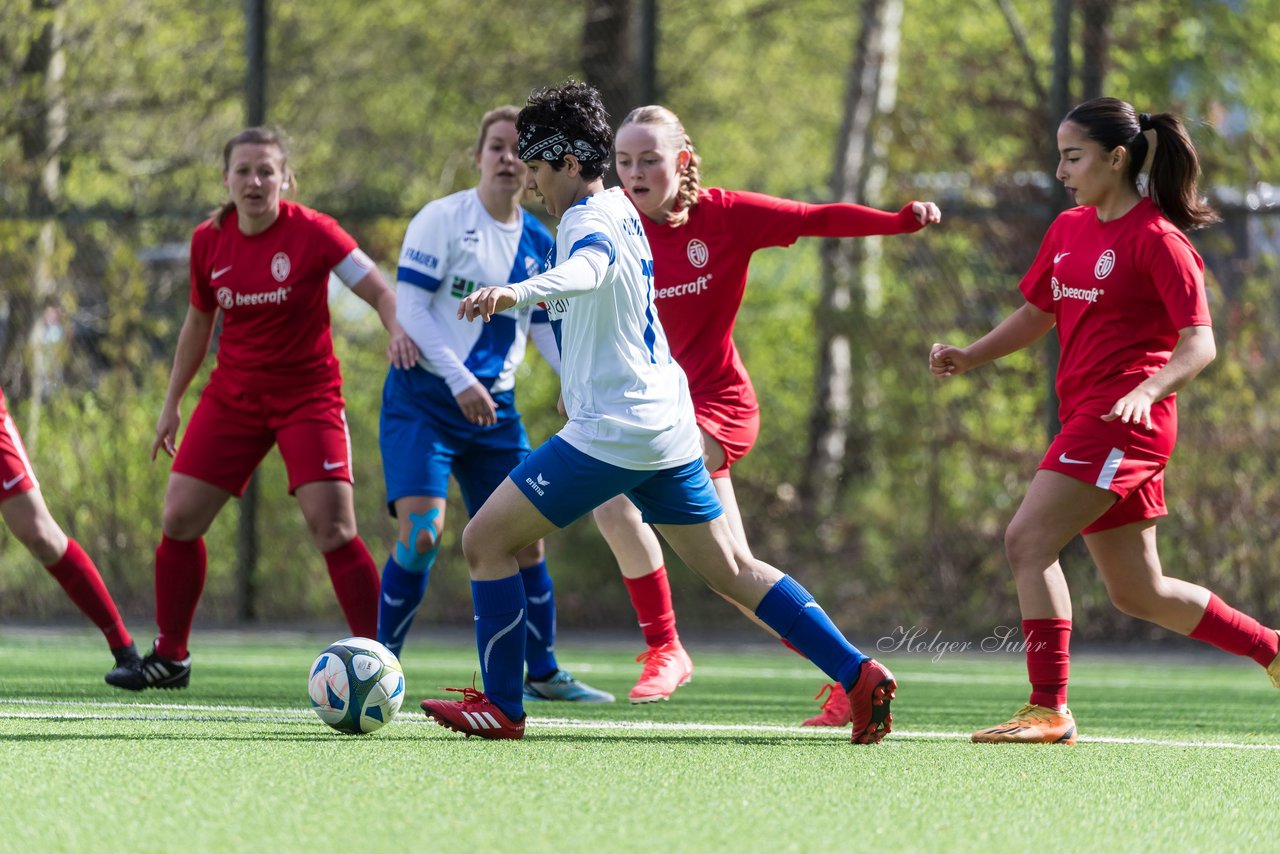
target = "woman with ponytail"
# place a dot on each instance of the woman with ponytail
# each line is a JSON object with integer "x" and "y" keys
{"x": 1125, "y": 289}
{"x": 702, "y": 241}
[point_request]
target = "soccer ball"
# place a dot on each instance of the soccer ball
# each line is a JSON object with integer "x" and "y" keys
{"x": 356, "y": 685}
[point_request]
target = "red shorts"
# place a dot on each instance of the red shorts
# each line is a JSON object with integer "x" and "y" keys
{"x": 734, "y": 427}
{"x": 16, "y": 474}
{"x": 231, "y": 431}
{"x": 1120, "y": 458}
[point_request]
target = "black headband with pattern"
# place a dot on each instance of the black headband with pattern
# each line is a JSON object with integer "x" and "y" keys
{"x": 538, "y": 142}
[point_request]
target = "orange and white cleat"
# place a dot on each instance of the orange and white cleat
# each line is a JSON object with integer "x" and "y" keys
{"x": 666, "y": 668}
{"x": 836, "y": 710}
{"x": 1032, "y": 725}
{"x": 869, "y": 702}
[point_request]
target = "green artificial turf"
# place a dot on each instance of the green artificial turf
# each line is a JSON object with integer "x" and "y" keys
{"x": 1175, "y": 754}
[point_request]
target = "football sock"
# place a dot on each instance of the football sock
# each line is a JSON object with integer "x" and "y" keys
{"x": 790, "y": 611}
{"x": 355, "y": 581}
{"x": 402, "y": 592}
{"x": 651, "y": 597}
{"x": 84, "y": 585}
{"x": 180, "y": 571}
{"x": 1236, "y": 632}
{"x": 540, "y": 621}
{"x": 500, "y": 640}
{"x": 1048, "y": 643}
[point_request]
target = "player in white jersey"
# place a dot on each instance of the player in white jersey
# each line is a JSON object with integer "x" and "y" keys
{"x": 631, "y": 430}
{"x": 455, "y": 412}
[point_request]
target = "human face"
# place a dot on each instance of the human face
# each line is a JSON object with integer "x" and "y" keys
{"x": 649, "y": 168}
{"x": 254, "y": 177}
{"x": 500, "y": 167}
{"x": 557, "y": 188}
{"x": 1093, "y": 175}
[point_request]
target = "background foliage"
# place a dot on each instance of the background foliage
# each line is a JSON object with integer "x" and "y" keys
{"x": 382, "y": 110}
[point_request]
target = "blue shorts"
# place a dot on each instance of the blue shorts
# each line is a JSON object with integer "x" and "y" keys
{"x": 424, "y": 439}
{"x": 565, "y": 484}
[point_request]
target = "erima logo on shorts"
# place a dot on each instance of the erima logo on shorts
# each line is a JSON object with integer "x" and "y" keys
{"x": 229, "y": 299}
{"x": 1061, "y": 292}
{"x": 537, "y": 485}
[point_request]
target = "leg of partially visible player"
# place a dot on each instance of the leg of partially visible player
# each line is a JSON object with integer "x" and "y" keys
{"x": 407, "y": 572}
{"x": 28, "y": 518}
{"x": 1130, "y": 566}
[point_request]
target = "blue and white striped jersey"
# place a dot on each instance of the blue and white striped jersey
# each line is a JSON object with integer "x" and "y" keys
{"x": 451, "y": 247}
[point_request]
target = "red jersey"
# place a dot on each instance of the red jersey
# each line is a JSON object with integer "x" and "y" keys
{"x": 273, "y": 289}
{"x": 1121, "y": 291}
{"x": 700, "y": 273}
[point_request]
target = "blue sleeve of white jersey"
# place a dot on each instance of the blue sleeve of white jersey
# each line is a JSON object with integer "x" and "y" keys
{"x": 595, "y": 238}
{"x": 425, "y": 251}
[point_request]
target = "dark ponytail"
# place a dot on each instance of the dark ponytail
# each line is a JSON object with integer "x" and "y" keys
{"x": 1172, "y": 182}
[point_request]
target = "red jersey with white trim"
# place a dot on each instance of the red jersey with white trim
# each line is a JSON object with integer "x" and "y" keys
{"x": 1121, "y": 291}
{"x": 273, "y": 289}
{"x": 700, "y": 273}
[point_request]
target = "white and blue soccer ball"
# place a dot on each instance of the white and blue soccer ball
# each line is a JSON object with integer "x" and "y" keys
{"x": 356, "y": 685}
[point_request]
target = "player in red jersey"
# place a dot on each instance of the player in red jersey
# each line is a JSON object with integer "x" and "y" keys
{"x": 264, "y": 263}
{"x": 702, "y": 241}
{"x": 24, "y": 511}
{"x": 1125, "y": 289}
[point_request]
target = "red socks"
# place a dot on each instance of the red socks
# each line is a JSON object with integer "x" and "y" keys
{"x": 356, "y": 583}
{"x": 79, "y": 577}
{"x": 651, "y": 597}
{"x": 1236, "y": 632}
{"x": 1048, "y": 643}
{"x": 180, "y": 572}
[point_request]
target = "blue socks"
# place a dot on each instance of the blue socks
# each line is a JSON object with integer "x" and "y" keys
{"x": 790, "y": 611}
{"x": 402, "y": 592}
{"x": 540, "y": 651}
{"x": 500, "y": 640}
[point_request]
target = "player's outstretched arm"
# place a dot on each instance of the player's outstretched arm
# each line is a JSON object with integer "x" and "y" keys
{"x": 484, "y": 303}
{"x": 193, "y": 343}
{"x": 1026, "y": 325}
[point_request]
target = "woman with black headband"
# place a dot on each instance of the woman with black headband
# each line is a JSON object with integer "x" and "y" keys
{"x": 1125, "y": 289}
{"x": 631, "y": 429}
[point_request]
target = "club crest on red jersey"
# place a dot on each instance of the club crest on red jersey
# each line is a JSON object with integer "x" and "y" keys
{"x": 1106, "y": 263}
{"x": 698, "y": 253}
{"x": 225, "y": 298}
{"x": 280, "y": 267}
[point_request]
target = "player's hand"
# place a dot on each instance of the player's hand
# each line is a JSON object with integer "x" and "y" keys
{"x": 948, "y": 361}
{"x": 1133, "y": 408}
{"x": 477, "y": 406}
{"x": 401, "y": 351}
{"x": 926, "y": 212}
{"x": 166, "y": 433}
{"x": 485, "y": 303}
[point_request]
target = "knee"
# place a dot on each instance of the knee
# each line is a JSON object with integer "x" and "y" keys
{"x": 614, "y": 515}
{"x": 183, "y": 521}
{"x": 1025, "y": 550}
{"x": 43, "y": 539}
{"x": 1138, "y": 602}
{"x": 332, "y": 533}
{"x": 417, "y": 547}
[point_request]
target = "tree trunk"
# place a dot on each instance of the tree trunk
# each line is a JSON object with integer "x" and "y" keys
{"x": 609, "y": 58}
{"x": 1095, "y": 41}
{"x": 838, "y": 440}
{"x": 43, "y": 134}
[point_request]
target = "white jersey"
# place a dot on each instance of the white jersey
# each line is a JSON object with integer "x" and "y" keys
{"x": 451, "y": 247}
{"x": 627, "y": 399}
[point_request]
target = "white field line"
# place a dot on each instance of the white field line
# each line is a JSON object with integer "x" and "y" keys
{"x": 184, "y": 712}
